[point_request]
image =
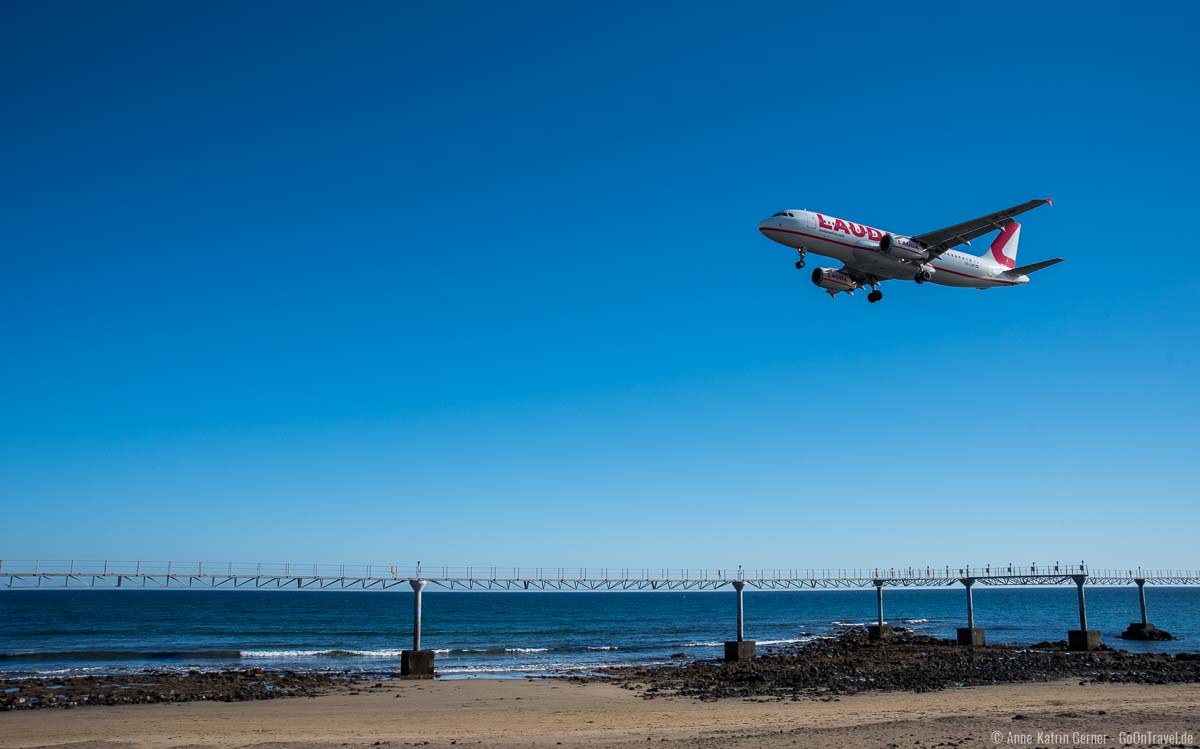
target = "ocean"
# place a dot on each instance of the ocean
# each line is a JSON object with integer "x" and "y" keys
{"x": 505, "y": 634}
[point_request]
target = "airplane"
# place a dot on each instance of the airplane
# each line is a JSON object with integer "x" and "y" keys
{"x": 870, "y": 256}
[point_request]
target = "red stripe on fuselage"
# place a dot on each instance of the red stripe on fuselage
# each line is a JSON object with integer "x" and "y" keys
{"x": 823, "y": 239}
{"x": 989, "y": 279}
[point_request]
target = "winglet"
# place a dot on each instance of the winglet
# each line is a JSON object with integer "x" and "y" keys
{"x": 1050, "y": 202}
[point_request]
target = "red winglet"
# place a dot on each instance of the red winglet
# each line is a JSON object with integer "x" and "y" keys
{"x": 1050, "y": 202}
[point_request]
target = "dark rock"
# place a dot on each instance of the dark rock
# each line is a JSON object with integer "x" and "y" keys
{"x": 1047, "y": 645}
{"x": 851, "y": 663}
{"x": 1139, "y": 631}
{"x": 149, "y": 687}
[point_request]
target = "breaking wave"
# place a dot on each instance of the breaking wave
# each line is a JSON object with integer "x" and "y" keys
{"x": 790, "y": 641}
{"x": 395, "y": 653}
{"x": 321, "y": 653}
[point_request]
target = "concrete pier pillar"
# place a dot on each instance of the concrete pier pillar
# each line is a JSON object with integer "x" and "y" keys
{"x": 1141, "y": 583}
{"x": 970, "y": 634}
{"x": 416, "y": 663}
{"x": 739, "y": 586}
{"x": 417, "y": 586}
{"x": 740, "y": 649}
{"x": 1144, "y": 630}
{"x": 879, "y": 631}
{"x": 1082, "y": 638}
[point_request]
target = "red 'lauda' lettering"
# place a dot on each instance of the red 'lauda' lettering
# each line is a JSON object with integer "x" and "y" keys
{"x": 858, "y": 230}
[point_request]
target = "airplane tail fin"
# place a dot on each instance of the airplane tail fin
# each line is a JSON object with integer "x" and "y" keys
{"x": 1003, "y": 251}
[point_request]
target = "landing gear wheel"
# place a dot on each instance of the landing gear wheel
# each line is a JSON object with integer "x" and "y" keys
{"x": 919, "y": 278}
{"x": 922, "y": 276}
{"x": 799, "y": 265}
{"x": 874, "y": 296}
{"x": 800, "y": 262}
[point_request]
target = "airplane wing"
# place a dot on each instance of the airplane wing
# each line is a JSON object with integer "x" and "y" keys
{"x": 937, "y": 242}
{"x": 862, "y": 277}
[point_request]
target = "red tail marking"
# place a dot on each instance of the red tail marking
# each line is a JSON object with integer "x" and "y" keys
{"x": 1001, "y": 242}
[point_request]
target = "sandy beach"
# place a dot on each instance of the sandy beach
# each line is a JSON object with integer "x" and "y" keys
{"x": 554, "y": 712}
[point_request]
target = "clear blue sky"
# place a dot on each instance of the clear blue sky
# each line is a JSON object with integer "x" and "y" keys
{"x": 474, "y": 283}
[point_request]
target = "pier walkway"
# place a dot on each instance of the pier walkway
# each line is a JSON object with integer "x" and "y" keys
{"x": 288, "y": 575}
{"x": 35, "y": 574}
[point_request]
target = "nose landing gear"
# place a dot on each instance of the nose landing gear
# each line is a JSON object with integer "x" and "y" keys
{"x": 800, "y": 262}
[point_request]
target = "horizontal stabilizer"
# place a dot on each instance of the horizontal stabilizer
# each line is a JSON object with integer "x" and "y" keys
{"x": 1025, "y": 270}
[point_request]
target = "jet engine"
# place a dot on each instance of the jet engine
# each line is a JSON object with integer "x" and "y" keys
{"x": 833, "y": 280}
{"x": 902, "y": 248}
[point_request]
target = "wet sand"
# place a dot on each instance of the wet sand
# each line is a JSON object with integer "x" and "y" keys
{"x": 557, "y": 712}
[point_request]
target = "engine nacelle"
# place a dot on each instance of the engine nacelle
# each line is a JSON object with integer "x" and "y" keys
{"x": 833, "y": 280}
{"x": 902, "y": 248}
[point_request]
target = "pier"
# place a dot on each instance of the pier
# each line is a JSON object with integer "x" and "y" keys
{"x": 35, "y": 574}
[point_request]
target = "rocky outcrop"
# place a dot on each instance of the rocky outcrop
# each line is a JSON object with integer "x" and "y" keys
{"x": 149, "y": 687}
{"x": 1139, "y": 631}
{"x": 852, "y": 663}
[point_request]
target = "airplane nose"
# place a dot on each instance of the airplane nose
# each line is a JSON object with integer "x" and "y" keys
{"x": 763, "y": 226}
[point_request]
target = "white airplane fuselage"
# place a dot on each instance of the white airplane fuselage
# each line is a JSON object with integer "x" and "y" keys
{"x": 858, "y": 245}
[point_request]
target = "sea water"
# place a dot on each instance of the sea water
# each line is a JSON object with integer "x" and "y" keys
{"x": 62, "y": 632}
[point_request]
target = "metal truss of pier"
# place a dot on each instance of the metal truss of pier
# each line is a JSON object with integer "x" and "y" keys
{"x": 417, "y": 662}
{"x": 19, "y": 574}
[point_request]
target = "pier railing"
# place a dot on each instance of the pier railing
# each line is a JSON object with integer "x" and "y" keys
{"x": 25, "y": 574}
{"x": 165, "y": 574}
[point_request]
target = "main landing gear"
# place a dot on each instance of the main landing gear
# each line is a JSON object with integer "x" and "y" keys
{"x": 800, "y": 262}
{"x": 922, "y": 276}
{"x": 875, "y": 294}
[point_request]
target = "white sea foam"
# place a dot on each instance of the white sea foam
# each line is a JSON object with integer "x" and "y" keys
{"x": 791, "y": 641}
{"x": 321, "y": 653}
{"x": 526, "y": 650}
{"x": 914, "y": 621}
{"x": 525, "y": 668}
{"x": 849, "y": 624}
{"x": 78, "y": 670}
{"x": 702, "y": 644}
{"x": 603, "y": 647}
{"x": 518, "y": 668}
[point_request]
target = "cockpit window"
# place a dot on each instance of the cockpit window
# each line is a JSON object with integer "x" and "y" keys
{"x": 789, "y": 214}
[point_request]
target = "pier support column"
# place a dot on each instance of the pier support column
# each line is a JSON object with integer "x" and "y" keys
{"x": 1144, "y": 630}
{"x": 416, "y": 663}
{"x": 1082, "y": 638}
{"x": 879, "y": 631}
{"x": 970, "y": 634}
{"x": 740, "y": 649}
